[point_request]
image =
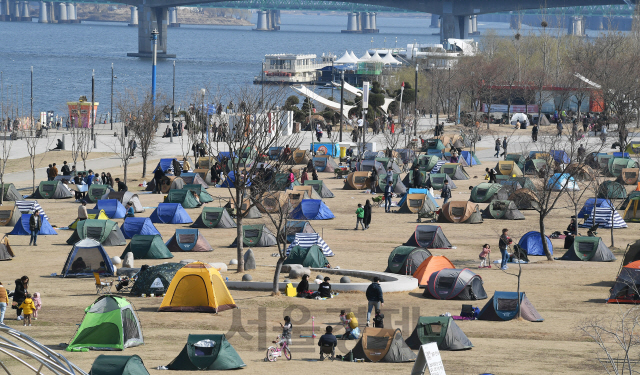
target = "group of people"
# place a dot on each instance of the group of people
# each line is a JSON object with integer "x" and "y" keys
{"x": 26, "y": 304}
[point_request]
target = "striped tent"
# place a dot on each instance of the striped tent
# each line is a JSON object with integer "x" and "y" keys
{"x": 439, "y": 164}
{"x": 603, "y": 218}
{"x": 308, "y": 240}
{"x": 28, "y": 207}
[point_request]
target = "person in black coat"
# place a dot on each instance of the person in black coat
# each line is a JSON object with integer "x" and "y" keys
{"x": 20, "y": 293}
{"x": 328, "y": 339}
{"x": 324, "y": 289}
{"x": 303, "y": 286}
{"x": 158, "y": 174}
{"x": 35, "y": 223}
{"x": 367, "y": 214}
{"x": 417, "y": 176}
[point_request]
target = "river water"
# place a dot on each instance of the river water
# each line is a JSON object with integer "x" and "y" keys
{"x": 219, "y": 57}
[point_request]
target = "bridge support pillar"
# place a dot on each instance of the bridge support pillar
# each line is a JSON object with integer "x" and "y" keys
{"x": 134, "y": 17}
{"x": 25, "y": 12}
{"x": 365, "y": 21}
{"x": 278, "y": 19}
{"x": 63, "y": 13}
{"x": 72, "y": 13}
{"x": 435, "y": 21}
{"x": 359, "y": 22}
{"x": 515, "y": 22}
{"x": 173, "y": 17}
{"x": 15, "y": 14}
{"x": 352, "y": 23}
{"x": 576, "y": 26}
{"x": 149, "y": 19}
{"x": 372, "y": 21}
{"x": 51, "y": 10}
{"x": 4, "y": 11}
{"x": 262, "y": 24}
{"x": 43, "y": 13}
{"x": 454, "y": 27}
{"x": 474, "y": 25}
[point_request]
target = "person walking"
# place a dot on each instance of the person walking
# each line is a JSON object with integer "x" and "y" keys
{"x": 504, "y": 148}
{"x": 559, "y": 127}
{"x": 35, "y": 222}
{"x": 497, "y": 148}
{"x": 65, "y": 169}
{"x": 445, "y": 192}
{"x": 359, "y": 216}
{"x": 388, "y": 193}
{"x": 4, "y": 301}
{"x": 375, "y": 298}
{"x": 304, "y": 176}
{"x": 367, "y": 214}
{"x": 374, "y": 179}
{"x": 503, "y": 245}
{"x": 534, "y": 133}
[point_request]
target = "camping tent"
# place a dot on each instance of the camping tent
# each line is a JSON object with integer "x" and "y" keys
{"x": 627, "y": 285}
{"x": 91, "y": 214}
{"x": 191, "y": 178}
{"x": 97, "y": 192}
{"x": 605, "y": 217}
{"x": 230, "y": 181}
{"x": 200, "y": 192}
{"x": 470, "y": 158}
{"x": 633, "y": 194}
{"x": 430, "y": 265}
{"x": 631, "y": 213}
{"x": 138, "y": 225}
{"x": 370, "y": 165}
{"x": 382, "y": 345}
{"x": 532, "y": 243}
{"x": 413, "y": 203}
{"x": 311, "y": 209}
{"x": 455, "y": 284}
{"x": 86, "y": 257}
{"x": 170, "y": 165}
{"x": 188, "y": 240}
{"x": 166, "y": 184}
{"x": 204, "y": 174}
{"x": 433, "y": 144}
{"x": 519, "y": 159}
{"x": 29, "y": 207}
{"x": 436, "y": 181}
{"x": 616, "y": 165}
{"x": 406, "y": 155}
{"x": 147, "y": 247}
{"x": 9, "y": 215}
{"x": 274, "y": 202}
{"x": 398, "y": 187}
{"x": 404, "y": 260}
{"x": 118, "y": 365}
{"x": 295, "y": 197}
{"x": 580, "y": 171}
{"x": 109, "y": 324}
{"x": 207, "y": 352}
{"x": 320, "y": 188}
{"x": 427, "y": 162}
{"x": 424, "y": 176}
{"x": 389, "y": 163}
{"x": 170, "y": 213}
{"x": 22, "y": 227}
{"x": 106, "y": 232}
{"x": 294, "y": 227}
{"x": 562, "y": 181}
{"x": 301, "y": 156}
{"x": 197, "y": 287}
{"x": 589, "y": 249}
{"x": 560, "y": 156}
{"x": 324, "y": 163}
{"x": 214, "y": 217}
{"x": 455, "y": 171}
{"x": 309, "y": 189}
{"x": 535, "y": 166}
{"x": 461, "y": 212}
{"x": 426, "y": 192}
{"x": 442, "y": 330}
{"x": 612, "y": 190}
{"x": 51, "y": 190}
{"x": 307, "y": 256}
{"x": 505, "y": 306}
{"x": 256, "y": 236}
{"x": 308, "y": 240}
{"x": 429, "y": 237}
{"x": 502, "y": 209}
{"x": 252, "y": 213}
{"x": 112, "y": 208}
{"x": 629, "y": 176}
{"x": 358, "y": 180}
{"x": 183, "y": 197}
{"x": 126, "y": 196}
{"x": 509, "y": 168}
{"x": 6, "y": 253}
{"x": 487, "y": 192}
{"x": 11, "y": 193}
{"x": 587, "y": 208}
{"x": 155, "y": 279}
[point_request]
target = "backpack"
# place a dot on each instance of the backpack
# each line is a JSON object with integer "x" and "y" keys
{"x": 353, "y": 324}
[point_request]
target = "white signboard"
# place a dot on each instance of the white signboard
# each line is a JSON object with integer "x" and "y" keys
{"x": 428, "y": 360}
{"x": 365, "y": 95}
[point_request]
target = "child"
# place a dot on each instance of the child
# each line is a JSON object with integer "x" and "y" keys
{"x": 286, "y": 331}
{"x": 345, "y": 323}
{"x": 360, "y": 216}
{"x": 27, "y": 309}
{"x": 378, "y": 320}
{"x": 486, "y": 249}
{"x": 37, "y": 303}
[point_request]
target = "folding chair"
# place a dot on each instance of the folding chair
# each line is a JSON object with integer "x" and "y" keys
{"x": 327, "y": 351}
{"x": 102, "y": 287}
{"x": 467, "y": 311}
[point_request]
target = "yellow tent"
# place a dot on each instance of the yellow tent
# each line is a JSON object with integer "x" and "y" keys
{"x": 197, "y": 287}
{"x": 92, "y": 215}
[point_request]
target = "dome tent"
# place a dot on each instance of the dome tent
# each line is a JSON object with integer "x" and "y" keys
{"x": 429, "y": 237}
{"x": 605, "y": 217}
{"x": 22, "y": 227}
{"x": 616, "y": 165}
{"x": 525, "y": 199}
{"x": 442, "y": 330}
{"x": 612, "y": 190}
{"x": 455, "y": 284}
{"x": 532, "y": 243}
{"x": 252, "y": 213}
{"x": 502, "y": 209}
{"x": 629, "y": 176}
{"x": 183, "y": 197}
{"x": 455, "y": 171}
{"x": 436, "y": 181}
{"x": 320, "y": 188}
{"x": 562, "y": 181}
{"x": 6, "y": 253}
{"x": 125, "y": 197}
{"x": 138, "y": 225}
{"x": 214, "y": 217}
{"x": 200, "y": 192}
{"x": 359, "y": 180}
{"x": 147, "y": 247}
{"x": 112, "y": 208}
{"x": 587, "y": 208}
{"x": 87, "y": 257}
{"x": 311, "y": 209}
{"x": 508, "y": 168}
{"x": 413, "y": 203}
{"x": 487, "y": 192}
{"x": 625, "y": 289}
{"x": 207, "y": 352}
{"x": 170, "y": 213}
{"x": 294, "y": 227}
{"x": 155, "y": 279}
{"x": 383, "y": 345}
{"x": 324, "y": 163}
{"x": 106, "y": 232}
{"x": 589, "y": 249}
{"x": 118, "y": 365}
{"x": 430, "y": 265}
{"x": 404, "y": 260}
{"x": 188, "y": 240}
{"x": 193, "y": 179}
{"x": 461, "y": 212}
{"x": 9, "y": 215}
{"x": 504, "y": 306}
{"x": 11, "y": 193}
{"x": 91, "y": 214}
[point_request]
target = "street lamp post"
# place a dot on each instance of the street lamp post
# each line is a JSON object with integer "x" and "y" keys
{"x": 173, "y": 101}
{"x": 154, "y": 39}
{"x": 341, "y": 103}
{"x": 415, "y": 104}
{"x": 111, "y": 113}
{"x": 93, "y": 113}
{"x": 204, "y": 115}
{"x": 31, "y": 98}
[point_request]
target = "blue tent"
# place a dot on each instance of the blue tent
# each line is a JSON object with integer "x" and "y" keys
{"x": 86, "y": 257}
{"x": 562, "y": 181}
{"x": 418, "y": 191}
{"x": 504, "y": 306}
{"x": 22, "y": 227}
{"x": 587, "y": 209}
{"x": 332, "y": 149}
{"x": 170, "y": 213}
{"x": 138, "y": 225}
{"x": 231, "y": 179}
{"x": 112, "y": 207}
{"x": 533, "y": 245}
{"x": 165, "y": 164}
{"x": 469, "y": 157}
{"x": 311, "y": 209}
{"x": 225, "y": 154}
{"x": 560, "y": 156}
{"x": 624, "y": 155}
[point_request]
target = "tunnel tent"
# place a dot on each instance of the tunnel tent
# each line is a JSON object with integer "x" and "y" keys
{"x": 125, "y": 197}
{"x": 106, "y": 232}
{"x": 207, "y": 352}
{"x": 455, "y": 284}
{"x": 532, "y": 243}
{"x": 631, "y": 212}
{"x": 252, "y": 213}
{"x": 436, "y": 181}
{"x": 301, "y": 156}
{"x": 214, "y": 217}
{"x": 324, "y": 164}
{"x": 562, "y": 182}
{"x": 200, "y": 192}
{"x": 519, "y": 159}
{"x": 612, "y": 190}
{"x": 429, "y": 237}
{"x": 625, "y": 289}
{"x": 455, "y": 171}
{"x": 504, "y": 306}
{"x": 6, "y": 253}
{"x": 560, "y": 156}
{"x": 256, "y": 236}
{"x": 508, "y": 168}
{"x": 605, "y": 217}
{"x": 87, "y": 257}
{"x": 580, "y": 171}
{"x": 307, "y": 256}
{"x": 197, "y": 287}
{"x": 147, "y": 247}
{"x": 183, "y": 197}
{"x": 470, "y": 158}
{"x": 442, "y": 330}
{"x": 9, "y": 215}
{"x": 629, "y": 176}
{"x": 427, "y": 162}
{"x": 358, "y": 180}
{"x": 487, "y": 192}
{"x": 192, "y": 178}
{"x": 309, "y": 189}
{"x": 118, "y": 365}
{"x": 460, "y": 212}
{"x": 389, "y": 163}
{"x": 91, "y": 214}
{"x": 295, "y": 197}
{"x": 110, "y": 323}
{"x": 22, "y": 227}
{"x": 294, "y": 227}
{"x": 51, "y": 190}
{"x": 382, "y": 345}
{"x": 320, "y": 188}
{"x": 502, "y": 209}
{"x": 535, "y": 166}
{"x": 589, "y": 249}
{"x": 311, "y": 209}
{"x": 430, "y": 265}
{"x": 274, "y": 202}
{"x": 308, "y": 240}
{"x": 112, "y": 208}
{"x": 188, "y": 240}
{"x": 155, "y": 279}
{"x": 97, "y": 192}
{"x": 170, "y": 213}
{"x": 419, "y": 191}
{"x": 138, "y": 225}
{"x": 11, "y": 193}
{"x": 414, "y": 202}
{"x": 404, "y": 260}
{"x": 408, "y": 178}
{"x": 616, "y": 165}
{"x": 167, "y": 183}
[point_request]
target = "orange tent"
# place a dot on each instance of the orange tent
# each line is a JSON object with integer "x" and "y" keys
{"x": 638, "y": 188}
{"x": 430, "y": 265}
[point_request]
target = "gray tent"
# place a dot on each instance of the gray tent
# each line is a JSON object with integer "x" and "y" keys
{"x": 502, "y": 209}
{"x": 455, "y": 284}
{"x": 504, "y": 306}
{"x": 256, "y": 236}
{"x": 214, "y": 217}
{"x": 442, "y": 330}
{"x": 253, "y": 213}
{"x": 383, "y": 345}
{"x": 320, "y": 188}
{"x": 11, "y": 193}
{"x": 429, "y": 237}
{"x": 404, "y": 260}
{"x": 589, "y": 249}
{"x": 125, "y": 197}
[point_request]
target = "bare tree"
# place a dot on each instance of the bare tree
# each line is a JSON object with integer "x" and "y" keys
{"x": 128, "y": 110}
{"x": 145, "y": 124}
{"x": 32, "y": 144}
{"x": 5, "y": 151}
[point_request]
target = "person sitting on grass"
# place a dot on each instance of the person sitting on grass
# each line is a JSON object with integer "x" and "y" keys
{"x": 324, "y": 289}
{"x": 328, "y": 339}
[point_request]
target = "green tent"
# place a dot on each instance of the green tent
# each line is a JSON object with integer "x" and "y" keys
{"x": 502, "y": 209}
{"x": 484, "y": 192}
{"x": 182, "y": 196}
{"x": 436, "y": 181}
{"x": 109, "y": 324}
{"x": 612, "y": 190}
{"x": 214, "y": 217}
{"x": 51, "y": 190}
{"x": 442, "y": 330}
{"x": 408, "y": 178}
{"x": 427, "y": 162}
{"x": 118, "y": 365}
{"x": 320, "y": 188}
{"x": 307, "y": 256}
{"x": 97, "y": 192}
{"x": 106, "y": 232}
{"x": 207, "y": 352}
{"x": 632, "y": 195}
{"x": 199, "y": 189}
{"x": 589, "y": 249}
{"x": 256, "y": 235}
{"x": 617, "y": 164}
{"x": 11, "y": 193}
{"x": 281, "y": 181}
{"x": 155, "y": 279}
{"x": 238, "y": 162}
{"x": 147, "y": 247}
{"x": 519, "y": 159}
{"x": 405, "y": 260}
{"x": 535, "y": 166}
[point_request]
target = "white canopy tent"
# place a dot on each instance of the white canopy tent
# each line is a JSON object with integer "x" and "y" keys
{"x": 345, "y": 59}
{"x": 353, "y": 56}
{"x": 303, "y": 90}
{"x": 365, "y": 57}
{"x": 388, "y": 59}
{"x": 375, "y": 58}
